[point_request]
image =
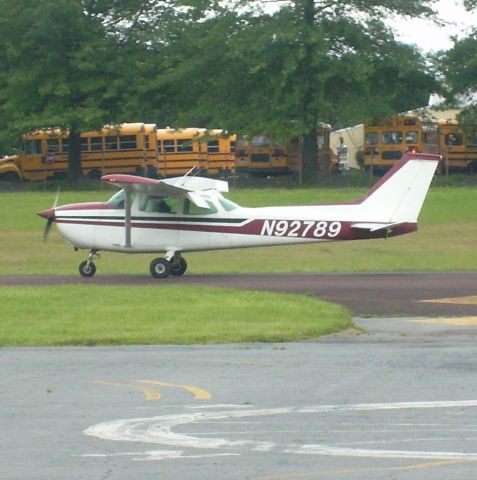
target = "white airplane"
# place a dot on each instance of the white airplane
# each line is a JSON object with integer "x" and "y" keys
{"x": 188, "y": 214}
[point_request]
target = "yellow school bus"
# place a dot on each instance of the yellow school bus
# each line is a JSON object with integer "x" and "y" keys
{"x": 458, "y": 145}
{"x": 385, "y": 143}
{"x": 180, "y": 150}
{"x": 259, "y": 155}
{"x": 126, "y": 148}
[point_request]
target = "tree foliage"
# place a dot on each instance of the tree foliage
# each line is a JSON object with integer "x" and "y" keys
{"x": 79, "y": 64}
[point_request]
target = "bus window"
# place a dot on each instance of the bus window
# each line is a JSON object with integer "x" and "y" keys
{"x": 213, "y": 146}
{"x": 32, "y": 146}
{"x": 232, "y": 147}
{"x": 127, "y": 142}
{"x": 259, "y": 141}
{"x": 454, "y": 139}
{"x": 184, "y": 145}
{"x": 412, "y": 137}
{"x": 65, "y": 145}
{"x": 96, "y": 144}
{"x": 111, "y": 143}
{"x": 392, "y": 138}
{"x": 84, "y": 144}
{"x": 371, "y": 138}
{"x": 169, "y": 146}
{"x": 53, "y": 145}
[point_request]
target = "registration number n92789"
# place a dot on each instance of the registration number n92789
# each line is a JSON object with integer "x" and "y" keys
{"x": 301, "y": 228}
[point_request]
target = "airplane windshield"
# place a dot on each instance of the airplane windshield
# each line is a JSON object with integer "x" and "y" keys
{"x": 117, "y": 200}
{"x": 227, "y": 204}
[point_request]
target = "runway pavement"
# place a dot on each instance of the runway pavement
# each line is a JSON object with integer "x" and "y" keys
{"x": 389, "y": 293}
{"x": 399, "y": 401}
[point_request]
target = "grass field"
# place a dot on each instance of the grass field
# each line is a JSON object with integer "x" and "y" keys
{"x": 83, "y": 315}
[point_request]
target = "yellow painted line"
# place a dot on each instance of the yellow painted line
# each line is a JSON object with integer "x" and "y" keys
{"x": 454, "y": 321}
{"x": 199, "y": 393}
{"x": 470, "y": 300}
{"x": 347, "y": 471}
{"x": 149, "y": 393}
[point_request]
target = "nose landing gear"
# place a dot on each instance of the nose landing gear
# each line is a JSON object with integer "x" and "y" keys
{"x": 88, "y": 268}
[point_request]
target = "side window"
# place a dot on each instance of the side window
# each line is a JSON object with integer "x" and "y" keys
{"x": 192, "y": 209}
{"x": 371, "y": 138}
{"x": 213, "y": 146}
{"x": 454, "y": 139}
{"x": 111, "y": 142}
{"x": 96, "y": 144}
{"x": 84, "y": 144}
{"x": 53, "y": 145}
{"x": 31, "y": 146}
{"x": 168, "y": 146}
{"x": 127, "y": 142}
{"x": 184, "y": 145}
{"x": 155, "y": 204}
{"x": 65, "y": 145}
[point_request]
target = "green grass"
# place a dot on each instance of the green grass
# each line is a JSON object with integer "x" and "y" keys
{"x": 82, "y": 315}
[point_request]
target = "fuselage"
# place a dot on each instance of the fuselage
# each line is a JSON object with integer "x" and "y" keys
{"x": 186, "y": 227}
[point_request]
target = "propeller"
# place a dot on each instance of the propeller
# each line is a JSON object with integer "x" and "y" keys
{"x": 50, "y": 216}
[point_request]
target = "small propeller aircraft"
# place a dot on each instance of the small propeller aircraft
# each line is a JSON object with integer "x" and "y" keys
{"x": 187, "y": 214}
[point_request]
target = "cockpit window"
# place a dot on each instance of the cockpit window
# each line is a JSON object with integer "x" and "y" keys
{"x": 156, "y": 204}
{"x": 227, "y": 204}
{"x": 118, "y": 199}
{"x": 192, "y": 209}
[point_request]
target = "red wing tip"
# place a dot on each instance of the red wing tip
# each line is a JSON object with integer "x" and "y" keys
{"x": 127, "y": 179}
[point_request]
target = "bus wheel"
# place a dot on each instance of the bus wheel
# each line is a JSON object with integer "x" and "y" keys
{"x": 472, "y": 168}
{"x": 87, "y": 269}
{"x": 160, "y": 268}
{"x": 94, "y": 174}
{"x": 9, "y": 177}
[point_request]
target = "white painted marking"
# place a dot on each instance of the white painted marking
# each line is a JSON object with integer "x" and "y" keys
{"x": 159, "y": 430}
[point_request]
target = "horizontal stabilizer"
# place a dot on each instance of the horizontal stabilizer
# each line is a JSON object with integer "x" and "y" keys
{"x": 375, "y": 227}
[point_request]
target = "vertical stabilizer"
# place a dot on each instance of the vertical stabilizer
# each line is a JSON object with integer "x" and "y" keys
{"x": 399, "y": 195}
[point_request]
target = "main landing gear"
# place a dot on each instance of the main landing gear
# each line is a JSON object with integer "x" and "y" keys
{"x": 159, "y": 268}
{"x": 162, "y": 267}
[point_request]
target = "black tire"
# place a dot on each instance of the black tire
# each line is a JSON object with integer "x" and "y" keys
{"x": 94, "y": 174}
{"x": 160, "y": 268}
{"x": 9, "y": 177}
{"x": 87, "y": 271}
{"x": 179, "y": 268}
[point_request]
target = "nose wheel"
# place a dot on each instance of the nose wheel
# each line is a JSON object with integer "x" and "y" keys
{"x": 88, "y": 268}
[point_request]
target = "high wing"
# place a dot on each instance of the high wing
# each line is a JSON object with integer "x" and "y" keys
{"x": 188, "y": 187}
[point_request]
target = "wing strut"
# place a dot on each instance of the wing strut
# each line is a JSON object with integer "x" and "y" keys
{"x": 127, "y": 217}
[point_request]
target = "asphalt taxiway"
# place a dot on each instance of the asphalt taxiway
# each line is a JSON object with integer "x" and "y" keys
{"x": 399, "y": 401}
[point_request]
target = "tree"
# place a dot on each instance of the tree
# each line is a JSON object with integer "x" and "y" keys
{"x": 62, "y": 68}
{"x": 310, "y": 61}
{"x": 459, "y": 68}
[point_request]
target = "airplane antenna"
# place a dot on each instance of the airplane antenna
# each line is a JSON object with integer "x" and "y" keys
{"x": 193, "y": 171}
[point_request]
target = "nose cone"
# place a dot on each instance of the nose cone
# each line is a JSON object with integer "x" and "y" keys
{"x": 48, "y": 214}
